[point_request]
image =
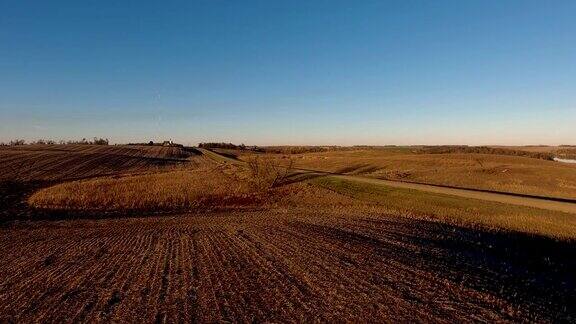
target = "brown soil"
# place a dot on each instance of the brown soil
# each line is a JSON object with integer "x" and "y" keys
{"x": 66, "y": 162}
{"x": 279, "y": 265}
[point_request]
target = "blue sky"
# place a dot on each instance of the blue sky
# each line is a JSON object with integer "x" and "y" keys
{"x": 290, "y": 72}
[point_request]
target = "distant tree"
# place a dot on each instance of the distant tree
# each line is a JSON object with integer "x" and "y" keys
{"x": 483, "y": 150}
{"x": 222, "y": 145}
{"x": 100, "y": 141}
{"x": 84, "y": 141}
{"x": 17, "y": 142}
{"x": 43, "y": 142}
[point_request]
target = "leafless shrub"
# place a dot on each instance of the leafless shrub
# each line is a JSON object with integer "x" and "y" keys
{"x": 99, "y": 141}
{"x": 43, "y": 142}
{"x": 266, "y": 174}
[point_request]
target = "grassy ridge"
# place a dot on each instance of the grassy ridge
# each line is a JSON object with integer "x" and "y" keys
{"x": 181, "y": 189}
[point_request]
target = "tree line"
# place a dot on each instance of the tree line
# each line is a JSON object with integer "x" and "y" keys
{"x": 229, "y": 146}
{"x": 84, "y": 141}
{"x": 484, "y": 150}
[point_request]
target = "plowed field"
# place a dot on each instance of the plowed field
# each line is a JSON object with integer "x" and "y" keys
{"x": 62, "y": 162}
{"x": 277, "y": 265}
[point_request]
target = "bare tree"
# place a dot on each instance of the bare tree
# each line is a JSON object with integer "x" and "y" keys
{"x": 266, "y": 173}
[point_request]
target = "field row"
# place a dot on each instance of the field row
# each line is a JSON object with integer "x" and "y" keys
{"x": 257, "y": 266}
{"x": 62, "y": 162}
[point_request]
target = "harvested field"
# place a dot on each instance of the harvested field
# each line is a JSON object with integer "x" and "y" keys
{"x": 278, "y": 266}
{"x": 63, "y": 162}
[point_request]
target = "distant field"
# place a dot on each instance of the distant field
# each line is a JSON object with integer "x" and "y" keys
{"x": 566, "y": 151}
{"x": 59, "y": 162}
{"x": 469, "y": 170}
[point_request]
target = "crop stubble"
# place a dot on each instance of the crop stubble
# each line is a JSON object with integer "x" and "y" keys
{"x": 254, "y": 266}
{"x": 65, "y": 162}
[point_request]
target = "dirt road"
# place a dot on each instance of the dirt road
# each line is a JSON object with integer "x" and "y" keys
{"x": 513, "y": 199}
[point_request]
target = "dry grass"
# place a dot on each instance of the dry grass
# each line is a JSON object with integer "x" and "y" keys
{"x": 566, "y": 153}
{"x": 481, "y": 171}
{"x": 173, "y": 190}
{"x": 223, "y": 185}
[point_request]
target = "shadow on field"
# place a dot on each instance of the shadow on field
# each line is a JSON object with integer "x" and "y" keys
{"x": 301, "y": 176}
{"x": 358, "y": 169}
{"x": 514, "y": 266}
{"x": 351, "y": 168}
{"x": 13, "y": 196}
{"x": 533, "y": 272}
{"x": 14, "y": 206}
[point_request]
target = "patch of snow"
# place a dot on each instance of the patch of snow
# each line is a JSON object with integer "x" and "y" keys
{"x": 564, "y": 160}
